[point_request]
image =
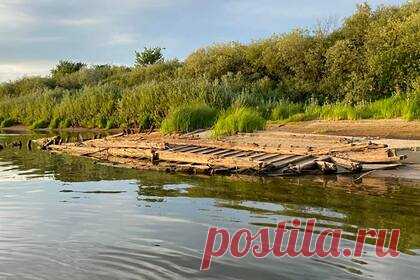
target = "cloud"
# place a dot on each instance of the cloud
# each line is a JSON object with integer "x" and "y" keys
{"x": 11, "y": 16}
{"x": 122, "y": 39}
{"x": 14, "y": 70}
{"x": 37, "y": 39}
{"x": 81, "y": 22}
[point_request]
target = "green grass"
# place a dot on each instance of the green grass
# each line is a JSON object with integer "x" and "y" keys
{"x": 55, "y": 123}
{"x": 188, "y": 118}
{"x": 238, "y": 120}
{"x": 111, "y": 123}
{"x": 40, "y": 124}
{"x": 7, "y": 122}
{"x": 285, "y": 110}
{"x": 66, "y": 123}
{"x": 397, "y": 106}
{"x": 412, "y": 111}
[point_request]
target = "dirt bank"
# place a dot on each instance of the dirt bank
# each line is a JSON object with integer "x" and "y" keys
{"x": 395, "y": 128}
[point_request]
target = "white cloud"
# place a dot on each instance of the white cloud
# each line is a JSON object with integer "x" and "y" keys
{"x": 267, "y": 11}
{"x": 14, "y": 70}
{"x": 37, "y": 39}
{"x": 150, "y": 3}
{"x": 12, "y": 16}
{"x": 122, "y": 39}
{"x": 80, "y": 22}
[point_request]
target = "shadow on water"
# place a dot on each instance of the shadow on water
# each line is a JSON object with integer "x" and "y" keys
{"x": 334, "y": 201}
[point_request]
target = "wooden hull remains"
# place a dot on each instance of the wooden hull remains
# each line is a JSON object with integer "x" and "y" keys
{"x": 203, "y": 156}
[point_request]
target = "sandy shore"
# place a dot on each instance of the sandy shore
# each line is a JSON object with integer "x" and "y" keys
{"x": 391, "y": 129}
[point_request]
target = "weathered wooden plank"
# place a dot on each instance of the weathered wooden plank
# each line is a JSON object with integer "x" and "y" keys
{"x": 187, "y": 157}
{"x": 370, "y": 167}
{"x": 211, "y": 151}
{"x": 286, "y": 162}
{"x": 231, "y": 154}
{"x": 210, "y": 159}
{"x": 257, "y": 155}
{"x": 182, "y": 148}
{"x": 308, "y": 165}
{"x": 224, "y": 151}
{"x": 244, "y": 147}
{"x": 347, "y": 164}
{"x": 245, "y": 154}
{"x": 326, "y": 167}
{"x": 267, "y": 157}
{"x": 280, "y": 158}
{"x": 199, "y": 149}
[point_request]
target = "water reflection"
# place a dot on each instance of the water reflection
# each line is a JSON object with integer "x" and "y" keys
{"x": 113, "y": 223}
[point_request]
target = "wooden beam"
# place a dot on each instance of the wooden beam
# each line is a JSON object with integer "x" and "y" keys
{"x": 286, "y": 162}
{"x": 267, "y": 157}
{"x": 231, "y": 154}
{"x": 212, "y": 150}
{"x": 280, "y": 158}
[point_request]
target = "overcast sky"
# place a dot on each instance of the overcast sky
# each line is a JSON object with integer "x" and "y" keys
{"x": 34, "y": 35}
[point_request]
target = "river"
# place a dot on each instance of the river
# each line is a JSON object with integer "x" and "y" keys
{"x": 70, "y": 218}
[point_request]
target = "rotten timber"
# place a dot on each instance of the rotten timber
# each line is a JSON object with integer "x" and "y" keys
{"x": 203, "y": 156}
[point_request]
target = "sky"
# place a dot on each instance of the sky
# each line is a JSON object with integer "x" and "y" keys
{"x": 35, "y": 35}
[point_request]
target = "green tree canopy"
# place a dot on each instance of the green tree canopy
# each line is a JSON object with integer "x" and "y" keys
{"x": 149, "y": 56}
{"x": 65, "y": 67}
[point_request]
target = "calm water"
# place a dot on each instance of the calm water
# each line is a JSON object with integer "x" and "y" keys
{"x": 156, "y": 227}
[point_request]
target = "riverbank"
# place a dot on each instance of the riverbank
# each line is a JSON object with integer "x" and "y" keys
{"x": 388, "y": 129}
{"x": 19, "y": 129}
{"x": 372, "y": 129}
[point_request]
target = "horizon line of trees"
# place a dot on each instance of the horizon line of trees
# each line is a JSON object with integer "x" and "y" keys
{"x": 374, "y": 54}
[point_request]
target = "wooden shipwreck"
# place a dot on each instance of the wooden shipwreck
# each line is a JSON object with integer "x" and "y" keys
{"x": 195, "y": 155}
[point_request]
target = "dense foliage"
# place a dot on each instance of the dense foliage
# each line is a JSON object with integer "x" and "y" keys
{"x": 367, "y": 68}
{"x": 149, "y": 56}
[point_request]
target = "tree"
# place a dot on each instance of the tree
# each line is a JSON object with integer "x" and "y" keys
{"x": 65, "y": 67}
{"x": 149, "y": 56}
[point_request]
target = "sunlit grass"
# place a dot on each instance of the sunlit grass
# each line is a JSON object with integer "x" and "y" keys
{"x": 188, "y": 118}
{"x": 238, "y": 120}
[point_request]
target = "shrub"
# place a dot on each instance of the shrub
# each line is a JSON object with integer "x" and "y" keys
{"x": 8, "y": 122}
{"x": 413, "y": 109}
{"x": 388, "y": 108}
{"x": 90, "y": 107}
{"x": 55, "y": 123}
{"x": 66, "y": 123}
{"x": 284, "y": 110}
{"x": 103, "y": 122}
{"x": 40, "y": 124}
{"x": 189, "y": 118}
{"x": 145, "y": 122}
{"x": 111, "y": 123}
{"x": 238, "y": 120}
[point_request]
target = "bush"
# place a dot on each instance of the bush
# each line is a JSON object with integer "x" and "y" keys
{"x": 413, "y": 109}
{"x": 284, "y": 110}
{"x": 89, "y": 107}
{"x": 55, "y": 123}
{"x": 145, "y": 122}
{"x": 189, "y": 118}
{"x": 393, "y": 107}
{"x": 111, "y": 123}
{"x": 8, "y": 122}
{"x": 66, "y": 123}
{"x": 40, "y": 124}
{"x": 238, "y": 120}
